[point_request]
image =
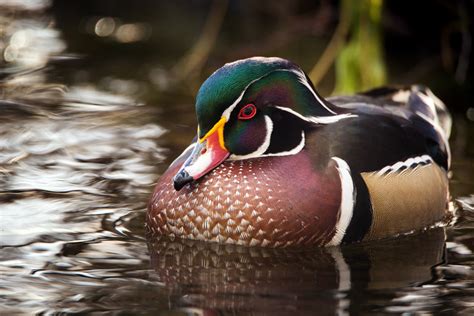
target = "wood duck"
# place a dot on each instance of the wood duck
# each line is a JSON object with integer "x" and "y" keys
{"x": 274, "y": 164}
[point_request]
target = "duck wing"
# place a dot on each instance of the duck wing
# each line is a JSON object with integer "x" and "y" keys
{"x": 404, "y": 122}
{"x": 397, "y": 154}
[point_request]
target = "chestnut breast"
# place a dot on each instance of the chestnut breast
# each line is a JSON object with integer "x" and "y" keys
{"x": 270, "y": 201}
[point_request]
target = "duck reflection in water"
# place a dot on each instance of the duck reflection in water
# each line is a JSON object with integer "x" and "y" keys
{"x": 209, "y": 277}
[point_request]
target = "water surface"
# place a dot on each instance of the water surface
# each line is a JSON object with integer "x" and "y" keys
{"x": 78, "y": 162}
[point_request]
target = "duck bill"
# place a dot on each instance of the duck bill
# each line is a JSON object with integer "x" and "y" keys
{"x": 208, "y": 153}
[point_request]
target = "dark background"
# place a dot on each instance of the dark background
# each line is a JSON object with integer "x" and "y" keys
{"x": 427, "y": 42}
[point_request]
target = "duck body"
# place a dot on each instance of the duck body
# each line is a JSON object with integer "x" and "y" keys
{"x": 274, "y": 164}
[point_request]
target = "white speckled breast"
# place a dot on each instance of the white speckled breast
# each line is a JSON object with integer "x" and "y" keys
{"x": 267, "y": 202}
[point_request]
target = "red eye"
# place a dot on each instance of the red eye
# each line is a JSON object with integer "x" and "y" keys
{"x": 247, "y": 112}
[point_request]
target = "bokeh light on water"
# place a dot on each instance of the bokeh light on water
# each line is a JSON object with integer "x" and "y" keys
{"x": 94, "y": 107}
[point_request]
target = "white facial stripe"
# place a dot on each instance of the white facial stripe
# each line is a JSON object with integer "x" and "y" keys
{"x": 263, "y": 148}
{"x": 302, "y": 79}
{"x": 293, "y": 151}
{"x": 404, "y": 164}
{"x": 269, "y": 124}
{"x": 317, "y": 119}
{"x": 347, "y": 201}
{"x": 290, "y": 152}
{"x": 229, "y": 110}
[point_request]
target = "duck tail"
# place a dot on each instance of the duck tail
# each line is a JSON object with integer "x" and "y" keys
{"x": 423, "y": 102}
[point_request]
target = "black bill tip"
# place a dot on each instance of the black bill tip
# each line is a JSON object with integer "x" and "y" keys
{"x": 181, "y": 179}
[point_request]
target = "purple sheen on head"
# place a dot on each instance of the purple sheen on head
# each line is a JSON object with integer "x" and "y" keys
{"x": 244, "y": 137}
{"x": 283, "y": 88}
{"x": 226, "y": 84}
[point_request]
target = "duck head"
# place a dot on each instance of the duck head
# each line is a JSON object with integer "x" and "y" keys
{"x": 252, "y": 108}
